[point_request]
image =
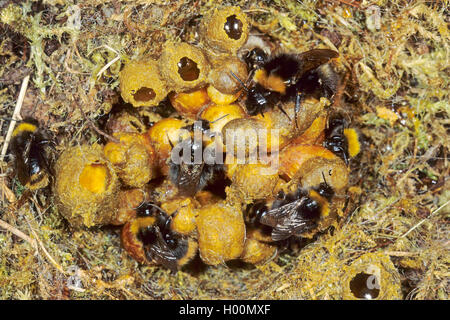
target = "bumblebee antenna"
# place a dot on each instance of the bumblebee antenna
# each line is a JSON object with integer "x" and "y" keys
{"x": 154, "y": 206}
{"x": 298, "y": 97}
{"x": 145, "y": 196}
{"x": 239, "y": 80}
{"x": 170, "y": 142}
{"x": 282, "y": 110}
{"x": 220, "y": 118}
{"x": 324, "y": 180}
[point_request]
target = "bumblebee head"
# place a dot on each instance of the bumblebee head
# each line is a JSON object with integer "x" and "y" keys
{"x": 255, "y": 58}
{"x": 201, "y": 125}
{"x": 325, "y": 190}
{"x": 259, "y": 99}
{"x": 148, "y": 209}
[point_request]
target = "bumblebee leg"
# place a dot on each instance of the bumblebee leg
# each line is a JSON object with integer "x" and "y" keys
{"x": 282, "y": 110}
{"x": 344, "y": 156}
{"x": 298, "y": 97}
{"x": 170, "y": 142}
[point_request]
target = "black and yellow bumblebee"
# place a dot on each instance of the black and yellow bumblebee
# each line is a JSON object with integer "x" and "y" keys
{"x": 292, "y": 214}
{"x": 190, "y": 175}
{"x": 199, "y": 168}
{"x": 30, "y": 159}
{"x": 341, "y": 140}
{"x": 161, "y": 244}
{"x": 288, "y": 77}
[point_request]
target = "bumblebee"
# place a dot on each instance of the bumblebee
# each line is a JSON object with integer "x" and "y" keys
{"x": 319, "y": 82}
{"x": 342, "y": 141}
{"x": 288, "y": 77}
{"x": 283, "y": 73}
{"x": 292, "y": 214}
{"x": 191, "y": 173}
{"x": 27, "y": 147}
{"x": 161, "y": 244}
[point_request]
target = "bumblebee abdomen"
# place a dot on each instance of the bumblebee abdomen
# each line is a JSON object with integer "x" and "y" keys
{"x": 354, "y": 145}
{"x": 27, "y": 126}
{"x": 342, "y": 141}
{"x": 147, "y": 235}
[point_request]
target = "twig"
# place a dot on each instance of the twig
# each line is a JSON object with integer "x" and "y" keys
{"x": 107, "y": 66}
{"x": 256, "y": 10}
{"x": 109, "y": 63}
{"x": 16, "y": 114}
{"x": 50, "y": 258}
{"x": 421, "y": 222}
{"x": 351, "y": 3}
{"x": 411, "y": 166}
{"x": 93, "y": 126}
{"x": 18, "y": 233}
{"x": 400, "y": 253}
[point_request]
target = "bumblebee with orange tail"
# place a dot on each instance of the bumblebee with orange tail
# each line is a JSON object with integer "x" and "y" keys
{"x": 288, "y": 77}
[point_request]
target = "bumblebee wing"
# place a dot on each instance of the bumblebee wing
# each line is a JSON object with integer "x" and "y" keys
{"x": 314, "y": 58}
{"x": 22, "y": 171}
{"x": 163, "y": 257}
{"x": 288, "y": 228}
{"x": 292, "y": 225}
{"x": 189, "y": 178}
{"x": 276, "y": 216}
{"x": 272, "y": 217}
{"x": 162, "y": 254}
{"x": 22, "y": 162}
{"x": 286, "y": 220}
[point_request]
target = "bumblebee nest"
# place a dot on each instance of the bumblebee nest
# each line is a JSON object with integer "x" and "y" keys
{"x": 394, "y": 95}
